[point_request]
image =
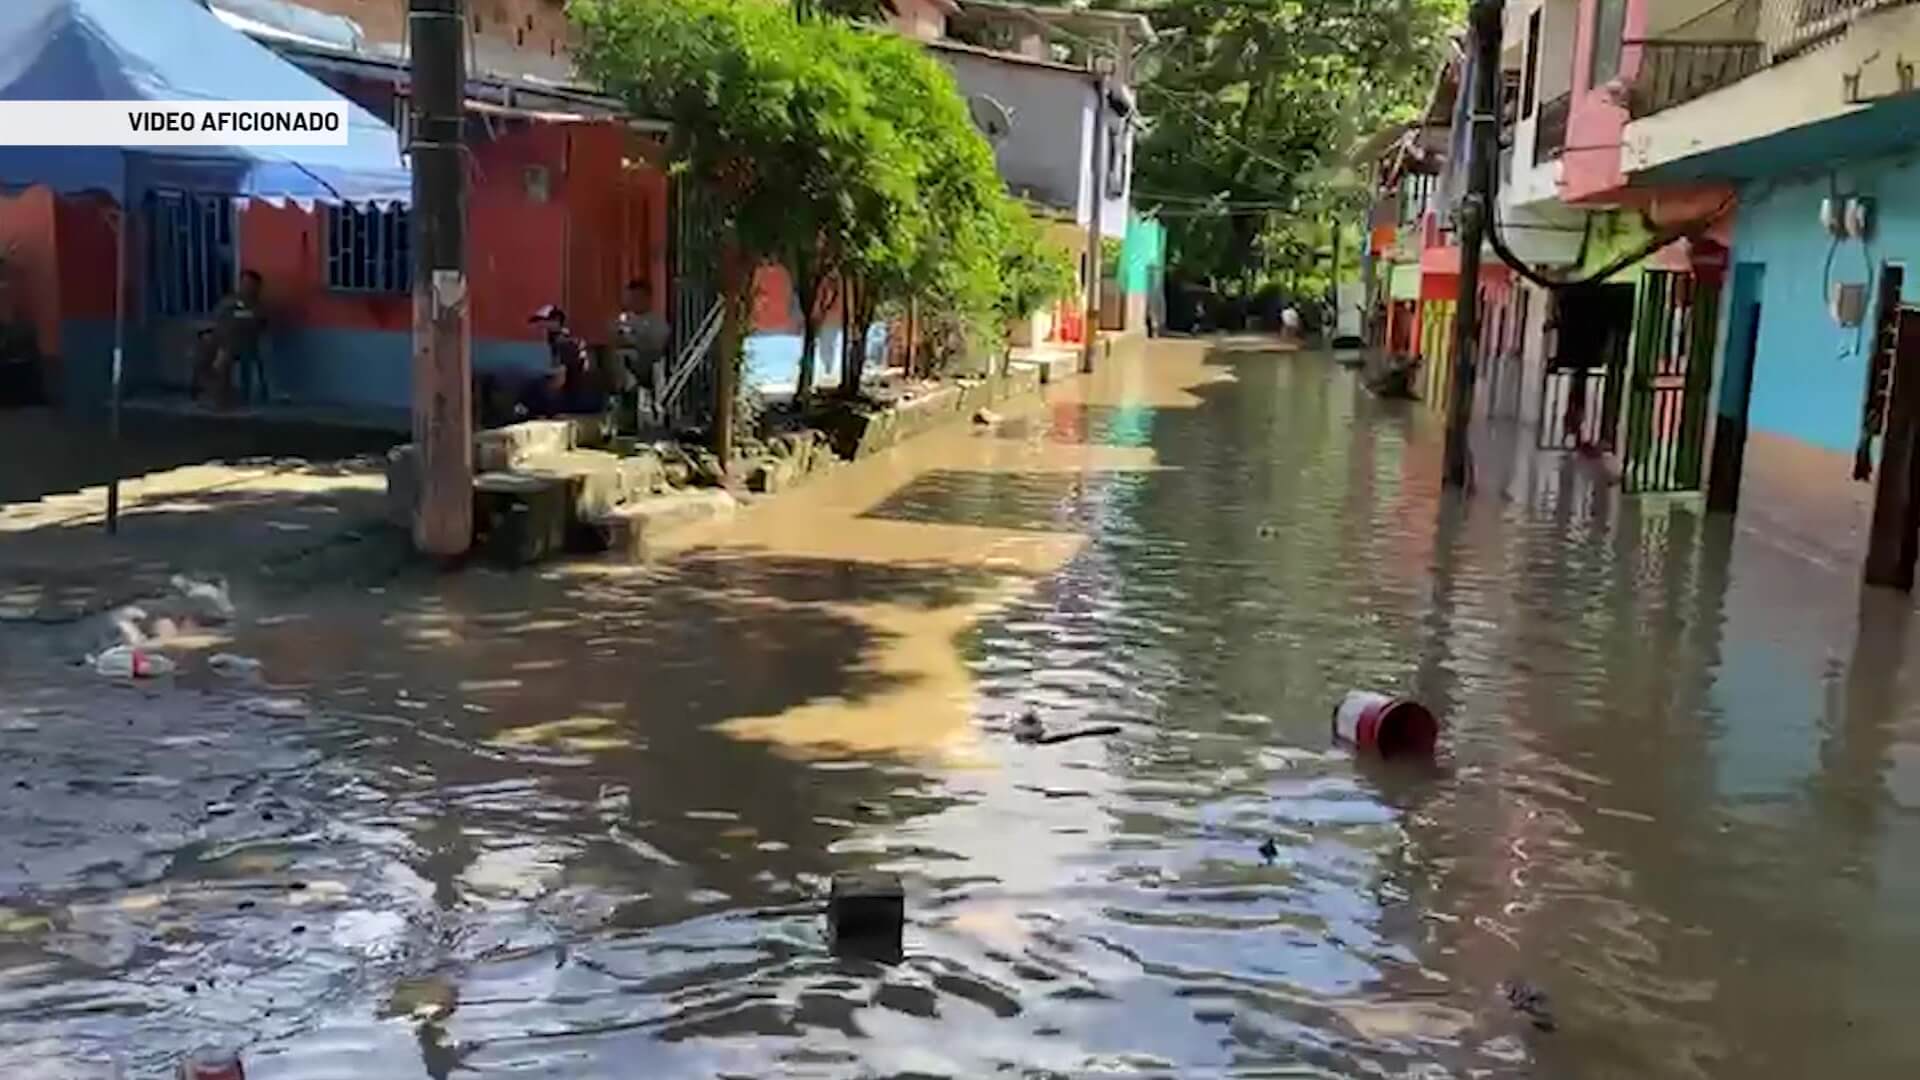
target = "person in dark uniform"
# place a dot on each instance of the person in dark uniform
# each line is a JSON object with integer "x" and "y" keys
{"x": 570, "y": 386}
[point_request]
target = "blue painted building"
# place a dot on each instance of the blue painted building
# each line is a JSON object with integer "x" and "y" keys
{"x": 1811, "y": 115}
{"x": 1809, "y": 371}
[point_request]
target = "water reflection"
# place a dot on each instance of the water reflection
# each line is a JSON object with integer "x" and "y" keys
{"x": 578, "y": 823}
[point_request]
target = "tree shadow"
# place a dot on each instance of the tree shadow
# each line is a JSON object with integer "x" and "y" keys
{"x": 58, "y": 563}
{"x": 46, "y": 451}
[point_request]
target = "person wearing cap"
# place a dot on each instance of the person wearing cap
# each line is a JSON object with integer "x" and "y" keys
{"x": 569, "y": 386}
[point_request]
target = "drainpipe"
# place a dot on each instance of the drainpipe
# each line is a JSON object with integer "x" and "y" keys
{"x": 1097, "y": 191}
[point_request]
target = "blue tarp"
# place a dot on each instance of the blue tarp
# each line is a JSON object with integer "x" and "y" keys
{"x": 177, "y": 50}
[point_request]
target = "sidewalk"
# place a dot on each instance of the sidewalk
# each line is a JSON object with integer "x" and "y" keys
{"x": 57, "y": 561}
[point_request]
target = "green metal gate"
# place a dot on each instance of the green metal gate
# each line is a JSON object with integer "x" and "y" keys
{"x": 1436, "y": 353}
{"x": 1666, "y": 406}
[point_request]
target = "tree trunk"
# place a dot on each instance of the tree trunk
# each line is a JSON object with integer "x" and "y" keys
{"x": 737, "y": 296}
{"x": 913, "y": 337}
{"x": 851, "y": 357}
{"x": 860, "y": 320}
{"x": 809, "y": 345}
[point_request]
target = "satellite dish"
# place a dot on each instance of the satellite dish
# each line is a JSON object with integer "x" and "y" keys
{"x": 992, "y": 118}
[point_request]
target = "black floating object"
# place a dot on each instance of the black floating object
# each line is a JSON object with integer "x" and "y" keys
{"x": 1088, "y": 732}
{"x": 1531, "y": 1002}
{"x": 1029, "y": 729}
{"x": 1269, "y": 850}
{"x": 866, "y": 915}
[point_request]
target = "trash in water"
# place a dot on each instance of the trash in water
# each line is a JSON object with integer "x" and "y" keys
{"x": 234, "y": 667}
{"x": 1269, "y": 850}
{"x": 211, "y": 600}
{"x": 1029, "y": 729}
{"x": 1529, "y": 1001}
{"x": 220, "y": 1065}
{"x": 986, "y": 417}
{"x": 1385, "y": 725}
{"x": 284, "y": 708}
{"x": 128, "y": 662}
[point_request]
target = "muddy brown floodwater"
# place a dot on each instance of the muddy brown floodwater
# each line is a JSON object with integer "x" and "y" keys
{"x": 578, "y": 823}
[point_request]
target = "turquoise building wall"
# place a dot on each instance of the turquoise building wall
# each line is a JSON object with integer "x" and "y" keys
{"x": 1809, "y": 371}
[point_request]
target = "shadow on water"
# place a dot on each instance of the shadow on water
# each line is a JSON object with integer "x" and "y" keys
{"x": 577, "y": 823}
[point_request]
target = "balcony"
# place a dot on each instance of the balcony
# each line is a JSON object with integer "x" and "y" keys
{"x": 1729, "y": 42}
{"x": 1550, "y": 131}
{"x": 1676, "y": 72}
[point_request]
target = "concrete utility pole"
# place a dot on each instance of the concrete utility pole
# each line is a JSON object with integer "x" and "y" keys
{"x": 1098, "y": 191}
{"x": 442, "y": 379}
{"x": 1475, "y": 210}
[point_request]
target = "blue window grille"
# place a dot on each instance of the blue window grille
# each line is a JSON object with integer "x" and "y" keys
{"x": 369, "y": 249}
{"x": 190, "y": 252}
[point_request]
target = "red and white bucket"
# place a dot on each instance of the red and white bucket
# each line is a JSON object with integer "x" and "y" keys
{"x": 1392, "y": 727}
{"x": 215, "y": 1066}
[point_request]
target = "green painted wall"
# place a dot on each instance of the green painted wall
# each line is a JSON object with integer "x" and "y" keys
{"x": 1143, "y": 252}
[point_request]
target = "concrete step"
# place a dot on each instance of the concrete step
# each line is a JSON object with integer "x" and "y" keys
{"x": 504, "y": 448}
{"x": 635, "y": 531}
{"x": 1053, "y": 365}
{"x": 598, "y": 480}
{"x": 521, "y": 519}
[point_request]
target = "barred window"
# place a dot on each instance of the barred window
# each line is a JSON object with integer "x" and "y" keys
{"x": 190, "y": 251}
{"x": 370, "y": 249}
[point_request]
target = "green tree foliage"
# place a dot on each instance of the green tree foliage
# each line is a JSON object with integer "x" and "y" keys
{"x": 870, "y": 10}
{"x": 843, "y": 153}
{"x": 1253, "y": 105}
{"x": 1033, "y": 271}
{"x": 775, "y": 124}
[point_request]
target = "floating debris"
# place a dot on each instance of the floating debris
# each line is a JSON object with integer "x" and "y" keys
{"x": 231, "y": 666}
{"x": 1531, "y": 1002}
{"x": 1029, "y": 729}
{"x": 127, "y": 662}
{"x": 280, "y": 708}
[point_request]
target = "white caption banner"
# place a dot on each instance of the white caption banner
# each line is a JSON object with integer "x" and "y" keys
{"x": 173, "y": 123}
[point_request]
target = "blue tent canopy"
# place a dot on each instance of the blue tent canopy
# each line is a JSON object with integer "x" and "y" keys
{"x": 177, "y": 50}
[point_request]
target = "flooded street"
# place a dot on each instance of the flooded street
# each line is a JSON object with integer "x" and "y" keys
{"x": 579, "y": 822}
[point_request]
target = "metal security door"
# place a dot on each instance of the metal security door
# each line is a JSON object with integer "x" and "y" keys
{"x": 1666, "y": 420}
{"x": 192, "y": 262}
{"x": 693, "y": 245}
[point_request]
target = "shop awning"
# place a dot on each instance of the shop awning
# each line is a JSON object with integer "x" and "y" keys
{"x": 176, "y": 50}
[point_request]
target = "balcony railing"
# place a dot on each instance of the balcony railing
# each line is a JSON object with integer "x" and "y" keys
{"x": 1727, "y": 43}
{"x": 1793, "y": 26}
{"x": 1550, "y": 131}
{"x": 1675, "y": 72}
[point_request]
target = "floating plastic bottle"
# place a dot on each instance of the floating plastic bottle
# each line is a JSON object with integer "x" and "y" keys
{"x": 131, "y": 662}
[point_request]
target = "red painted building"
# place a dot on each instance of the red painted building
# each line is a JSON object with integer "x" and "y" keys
{"x": 566, "y": 205}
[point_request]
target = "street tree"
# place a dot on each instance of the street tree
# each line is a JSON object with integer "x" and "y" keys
{"x": 1033, "y": 271}
{"x": 776, "y": 124}
{"x": 1253, "y": 105}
